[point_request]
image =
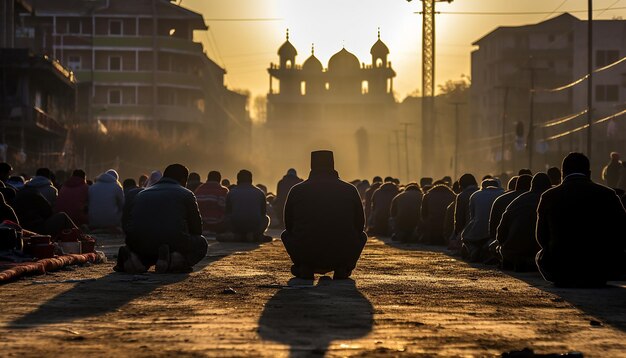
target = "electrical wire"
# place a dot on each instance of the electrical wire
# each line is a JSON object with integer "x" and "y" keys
{"x": 562, "y": 120}
{"x": 510, "y": 13}
{"x": 577, "y": 129}
{"x": 572, "y": 84}
{"x": 555, "y": 10}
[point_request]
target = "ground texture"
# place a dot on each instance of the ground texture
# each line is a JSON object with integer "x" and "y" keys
{"x": 241, "y": 301}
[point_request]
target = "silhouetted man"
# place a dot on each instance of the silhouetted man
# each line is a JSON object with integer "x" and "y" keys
{"x": 433, "y": 212}
{"x": 381, "y": 206}
{"x": 611, "y": 172}
{"x": 580, "y": 229}
{"x": 164, "y": 227}
{"x": 211, "y": 198}
{"x": 246, "y": 210}
{"x": 282, "y": 189}
{"x": 324, "y": 222}
{"x": 405, "y": 213}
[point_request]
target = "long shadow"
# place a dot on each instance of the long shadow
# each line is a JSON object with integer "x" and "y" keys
{"x": 117, "y": 289}
{"x": 309, "y": 319}
{"x": 607, "y": 305}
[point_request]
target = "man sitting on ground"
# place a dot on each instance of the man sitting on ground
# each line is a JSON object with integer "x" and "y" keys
{"x": 212, "y": 202}
{"x": 164, "y": 227}
{"x": 246, "y": 211}
{"x": 324, "y": 222}
{"x": 580, "y": 229}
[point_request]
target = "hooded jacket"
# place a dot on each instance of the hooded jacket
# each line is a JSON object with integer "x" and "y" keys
{"x": 106, "y": 202}
{"x": 405, "y": 209}
{"x": 480, "y": 203}
{"x": 44, "y": 187}
{"x": 434, "y": 208}
{"x": 516, "y": 231}
{"x": 73, "y": 199}
{"x": 381, "y": 205}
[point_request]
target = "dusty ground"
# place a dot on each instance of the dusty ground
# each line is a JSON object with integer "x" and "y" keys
{"x": 404, "y": 301}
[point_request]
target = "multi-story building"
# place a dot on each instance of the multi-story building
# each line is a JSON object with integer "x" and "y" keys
{"x": 37, "y": 98}
{"x": 136, "y": 64}
{"x": 510, "y": 61}
{"x": 348, "y": 107}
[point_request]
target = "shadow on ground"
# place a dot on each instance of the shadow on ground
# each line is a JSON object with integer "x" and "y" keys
{"x": 332, "y": 310}
{"x": 607, "y": 305}
{"x": 84, "y": 299}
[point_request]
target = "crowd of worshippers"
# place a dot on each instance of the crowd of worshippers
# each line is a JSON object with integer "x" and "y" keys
{"x": 559, "y": 222}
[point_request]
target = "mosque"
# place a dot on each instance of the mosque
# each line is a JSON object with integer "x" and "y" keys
{"x": 348, "y": 107}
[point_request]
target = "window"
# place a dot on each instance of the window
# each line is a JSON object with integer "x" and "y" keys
{"x": 607, "y": 93}
{"x": 115, "y": 96}
{"x": 73, "y": 26}
{"x": 74, "y": 63}
{"x": 115, "y": 27}
{"x": 115, "y": 63}
{"x": 606, "y": 57}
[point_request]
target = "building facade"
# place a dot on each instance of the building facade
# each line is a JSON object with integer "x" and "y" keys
{"x": 136, "y": 63}
{"x": 511, "y": 61}
{"x": 348, "y": 107}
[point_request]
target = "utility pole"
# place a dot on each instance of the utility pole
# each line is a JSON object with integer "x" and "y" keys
{"x": 504, "y": 106}
{"x": 456, "y": 137}
{"x": 590, "y": 79}
{"x": 406, "y": 149}
{"x": 530, "y": 142}
{"x": 428, "y": 82}
{"x": 397, "y": 132}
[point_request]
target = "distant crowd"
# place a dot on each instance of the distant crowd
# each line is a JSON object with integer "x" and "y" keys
{"x": 559, "y": 222}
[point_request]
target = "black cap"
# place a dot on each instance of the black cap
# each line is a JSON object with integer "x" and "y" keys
{"x": 322, "y": 159}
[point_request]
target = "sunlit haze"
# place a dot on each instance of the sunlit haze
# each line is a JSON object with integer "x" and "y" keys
{"x": 246, "y": 48}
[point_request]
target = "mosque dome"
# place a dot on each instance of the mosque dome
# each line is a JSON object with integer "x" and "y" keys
{"x": 343, "y": 61}
{"x": 379, "y": 48}
{"x": 312, "y": 64}
{"x": 287, "y": 50}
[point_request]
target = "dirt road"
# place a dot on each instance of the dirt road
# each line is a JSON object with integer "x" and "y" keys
{"x": 241, "y": 301}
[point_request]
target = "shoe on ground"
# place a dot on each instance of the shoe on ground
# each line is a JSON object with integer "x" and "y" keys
{"x": 265, "y": 238}
{"x": 134, "y": 265}
{"x": 178, "y": 264}
{"x": 122, "y": 256}
{"x": 342, "y": 274}
{"x": 163, "y": 262}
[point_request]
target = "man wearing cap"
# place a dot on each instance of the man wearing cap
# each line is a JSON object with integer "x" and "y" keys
{"x": 324, "y": 222}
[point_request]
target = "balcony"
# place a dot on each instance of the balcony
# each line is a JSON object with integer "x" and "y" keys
{"x": 143, "y": 77}
{"x": 163, "y": 43}
{"x": 178, "y": 114}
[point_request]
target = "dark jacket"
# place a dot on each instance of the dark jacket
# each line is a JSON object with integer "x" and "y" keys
{"x": 515, "y": 234}
{"x": 611, "y": 173}
{"x": 246, "y": 208}
{"x": 282, "y": 190}
{"x": 434, "y": 208}
{"x": 129, "y": 201}
{"x": 580, "y": 230}
{"x": 367, "y": 201}
{"x": 498, "y": 208}
{"x": 381, "y": 205}
{"x": 45, "y": 188}
{"x": 32, "y": 209}
{"x": 165, "y": 213}
{"x": 461, "y": 209}
{"x": 405, "y": 209}
{"x": 73, "y": 200}
{"x": 325, "y": 213}
{"x": 6, "y": 212}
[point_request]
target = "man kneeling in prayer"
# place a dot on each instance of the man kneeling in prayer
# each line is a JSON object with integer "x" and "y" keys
{"x": 324, "y": 222}
{"x": 164, "y": 228}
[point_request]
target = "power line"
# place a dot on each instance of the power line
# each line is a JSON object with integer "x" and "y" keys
{"x": 505, "y": 13}
{"x": 555, "y": 10}
{"x": 610, "y": 6}
{"x": 572, "y": 84}
{"x": 561, "y": 120}
{"x": 577, "y": 129}
{"x": 253, "y": 19}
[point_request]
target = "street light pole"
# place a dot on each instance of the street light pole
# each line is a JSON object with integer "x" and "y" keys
{"x": 590, "y": 79}
{"x": 456, "y": 138}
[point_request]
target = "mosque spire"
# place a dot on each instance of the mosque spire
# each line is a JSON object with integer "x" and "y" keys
{"x": 287, "y": 35}
{"x": 379, "y": 32}
{"x": 312, "y": 49}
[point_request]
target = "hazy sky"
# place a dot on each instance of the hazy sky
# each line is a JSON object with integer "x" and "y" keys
{"x": 246, "y": 48}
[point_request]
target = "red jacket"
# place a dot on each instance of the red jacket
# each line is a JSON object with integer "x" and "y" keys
{"x": 73, "y": 199}
{"x": 211, "y": 197}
